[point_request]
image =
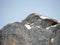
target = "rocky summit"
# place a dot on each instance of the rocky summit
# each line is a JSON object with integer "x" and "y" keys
{"x": 34, "y": 30}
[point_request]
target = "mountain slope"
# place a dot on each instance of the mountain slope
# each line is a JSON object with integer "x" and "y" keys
{"x": 34, "y": 30}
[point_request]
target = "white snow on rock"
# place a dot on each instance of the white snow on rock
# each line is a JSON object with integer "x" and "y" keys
{"x": 52, "y": 40}
{"x": 38, "y": 26}
{"x": 47, "y": 27}
{"x": 43, "y": 17}
{"x": 28, "y": 26}
{"x": 51, "y": 26}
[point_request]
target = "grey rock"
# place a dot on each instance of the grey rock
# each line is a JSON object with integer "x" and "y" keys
{"x": 41, "y": 33}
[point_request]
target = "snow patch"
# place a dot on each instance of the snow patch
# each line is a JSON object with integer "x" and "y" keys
{"x": 54, "y": 25}
{"x": 51, "y": 26}
{"x": 48, "y": 28}
{"x": 43, "y": 17}
{"x": 28, "y": 26}
{"x": 52, "y": 40}
{"x": 38, "y": 26}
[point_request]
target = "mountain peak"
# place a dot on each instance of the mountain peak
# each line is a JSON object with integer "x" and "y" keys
{"x": 41, "y": 20}
{"x": 34, "y": 30}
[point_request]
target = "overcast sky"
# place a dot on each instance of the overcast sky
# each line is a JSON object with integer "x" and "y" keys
{"x": 16, "y": 10}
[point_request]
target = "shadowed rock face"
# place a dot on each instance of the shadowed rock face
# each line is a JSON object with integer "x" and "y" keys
{"x": 34, "y": 30}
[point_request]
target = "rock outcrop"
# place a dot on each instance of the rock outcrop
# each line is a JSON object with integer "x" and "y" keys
{"x": 34, "y": 30}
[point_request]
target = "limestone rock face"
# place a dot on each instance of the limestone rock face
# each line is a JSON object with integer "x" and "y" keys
{"x": 34, "y": 30}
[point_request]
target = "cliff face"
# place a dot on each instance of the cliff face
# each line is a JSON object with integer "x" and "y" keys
{"x": 34, "y": 30}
